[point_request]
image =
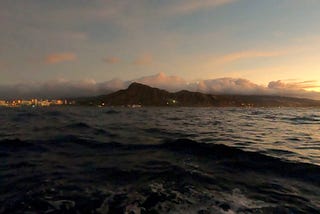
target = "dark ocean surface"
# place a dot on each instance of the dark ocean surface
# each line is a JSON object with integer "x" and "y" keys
{"x": 159, "y": 160}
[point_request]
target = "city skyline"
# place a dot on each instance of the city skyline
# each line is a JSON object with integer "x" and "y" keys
{"x": 84, "y": 44}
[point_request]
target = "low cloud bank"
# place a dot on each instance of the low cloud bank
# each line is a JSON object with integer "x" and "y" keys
{"x": 170, "y": 83}
{"x": 59, "y": 89}
{"x": 236, "y": 86}
{"x": 66, "y": 89}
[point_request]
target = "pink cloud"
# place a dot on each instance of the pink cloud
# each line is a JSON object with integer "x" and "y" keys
{"x": 112, "y": 60}
{"x": 230, "y": 86}
{"x": 146, "y": 59}
{"x": 247, "y": 55}
{"x": 60, "y": 57}
{"x": 161, "y": 80}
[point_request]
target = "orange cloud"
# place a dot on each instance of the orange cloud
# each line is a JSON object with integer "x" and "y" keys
{"x": 161, "y": 80}
{"x": 112, "y": 60}
{"x": 247, "y": 55}
{"x": 146, "y": 59}
{"x": 60, "y": 57}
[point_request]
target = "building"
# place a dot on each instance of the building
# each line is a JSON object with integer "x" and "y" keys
{"x": 3, "y": 103}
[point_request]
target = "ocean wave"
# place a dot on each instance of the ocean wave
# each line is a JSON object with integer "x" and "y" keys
{"x": 174, "y": 176}
{"x": 54, "y": 113}
{"x": 230, "y": 157}
{"x": 236, "y": 159}
{"x": 78, "y": 125}
{"x": 227, "y": 156}
{"x": 310, "y": 119}
{"x": 14, "y": 145}
{"x": 246, "y": 160}
{"x": 25, "y": 116}
{"x": 112, "y": 112}
{"x": 89, "y": 160}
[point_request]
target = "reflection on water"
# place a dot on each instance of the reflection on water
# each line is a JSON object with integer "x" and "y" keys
{"x": 293, "y": 133}
{"x": 160, "y": 160}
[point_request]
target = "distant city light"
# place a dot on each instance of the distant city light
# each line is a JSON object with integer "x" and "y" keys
{"x": 34, "y": 103}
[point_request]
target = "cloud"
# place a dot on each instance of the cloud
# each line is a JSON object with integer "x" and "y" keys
{"x": 247, "y": 55}
{"x": 246, "y": 87}
{"x": 229, "y": 86}
{"x": 161, "y": 80}
{"x": 60, "y": 88}
{"x": 64, "y": 88}
{"x": 293, "y": 85}
{"x": 112, "y": 60}
{"x": 190, "y": 6}
{"x": 146, "y": 59}
{"x": 295, "y": 89}
{"x": 237, "y": 86}
{"x": 112, "y": 85}
{"x": 60, "y": 57}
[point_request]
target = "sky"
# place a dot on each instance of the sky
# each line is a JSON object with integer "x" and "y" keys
{"x": 88, "y": 44}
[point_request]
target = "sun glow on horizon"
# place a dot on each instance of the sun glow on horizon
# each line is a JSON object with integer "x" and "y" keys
{"x": 259, "y": 41}
{"x": 316, "y": 89}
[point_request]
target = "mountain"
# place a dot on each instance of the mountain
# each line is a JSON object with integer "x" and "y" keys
{"x": 139, "y": 94}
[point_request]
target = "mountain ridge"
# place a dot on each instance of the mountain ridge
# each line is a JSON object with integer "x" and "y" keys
{"x": 144, "y": 95}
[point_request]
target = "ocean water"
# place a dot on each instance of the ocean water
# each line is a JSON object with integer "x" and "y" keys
{"x": 159, "y": 160}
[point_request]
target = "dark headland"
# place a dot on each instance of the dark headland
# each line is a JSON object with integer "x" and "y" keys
{"x": 142, "y": 95}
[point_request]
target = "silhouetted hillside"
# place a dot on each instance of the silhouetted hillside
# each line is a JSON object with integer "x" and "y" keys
{"x": 139, "y": 94}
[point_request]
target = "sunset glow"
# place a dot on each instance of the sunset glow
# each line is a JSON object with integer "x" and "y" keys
{"x": 159, "y": 106}
{"x": 101, "y": 40}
